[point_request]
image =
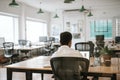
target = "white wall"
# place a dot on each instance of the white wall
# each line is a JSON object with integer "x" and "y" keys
{"x": 23, "y": 12}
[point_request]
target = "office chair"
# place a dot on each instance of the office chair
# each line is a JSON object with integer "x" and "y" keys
{"x": 24, "y": 43}
{"x": 69, "y": 68}
{"x": 9, "y": 51}
{"x": 92, "y": 47}
{"x": 82, "y": 46}
{"x": 49, "y": 48}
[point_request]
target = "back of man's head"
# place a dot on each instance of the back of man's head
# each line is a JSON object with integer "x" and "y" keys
{"x": 65, "y": 38}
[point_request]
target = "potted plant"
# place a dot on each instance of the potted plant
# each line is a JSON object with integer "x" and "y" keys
{"x": 106, "y": 55}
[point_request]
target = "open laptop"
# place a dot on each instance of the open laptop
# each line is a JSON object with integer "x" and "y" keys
{"x": 85, "y": 54}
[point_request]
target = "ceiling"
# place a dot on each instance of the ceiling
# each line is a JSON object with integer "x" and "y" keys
{"x": 53, "y": 5}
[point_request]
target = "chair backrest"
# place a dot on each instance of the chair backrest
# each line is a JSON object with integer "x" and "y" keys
{"x": 82, "y": 46}
{"x": 22, "y": 42}
{"x": 8, "y": 49}
{"x": 69, "y": 68}
{"x": 92, "y": 47}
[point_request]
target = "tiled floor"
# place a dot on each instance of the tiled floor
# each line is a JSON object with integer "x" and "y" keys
{"x": 36, "y": 76}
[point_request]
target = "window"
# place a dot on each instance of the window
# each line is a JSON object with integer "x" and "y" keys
{"x": 9, "y": 28}
{"x": 35, "y": 29}
{"x": 101, "y": 27}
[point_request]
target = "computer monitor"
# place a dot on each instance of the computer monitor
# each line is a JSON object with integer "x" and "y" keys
{"x": 100, "y": 37}
{"x": 51, "y": 38}
{"x": 117, "y": 39}
{"x": 43, "y": 38}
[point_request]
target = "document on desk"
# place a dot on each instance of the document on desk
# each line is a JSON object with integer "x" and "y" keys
{"x": 47, "y": 66}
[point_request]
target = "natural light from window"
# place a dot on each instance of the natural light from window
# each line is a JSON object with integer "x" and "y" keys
{"x": 35, "y": 29}
{"x": 9, "y": 28}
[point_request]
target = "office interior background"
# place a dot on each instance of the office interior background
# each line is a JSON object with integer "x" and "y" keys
{"x": 24, "y": 22}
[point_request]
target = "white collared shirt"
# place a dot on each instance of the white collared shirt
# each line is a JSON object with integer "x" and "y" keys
{"x": 65, "y": 51}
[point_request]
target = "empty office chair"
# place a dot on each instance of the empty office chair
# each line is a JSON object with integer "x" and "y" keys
{"x": 82, "y": 46}
{"x": 69, "y": 68}
{"x": 24, "y": 43}
{"x": 9, "y": 51}
{"x": 49, "y": 48}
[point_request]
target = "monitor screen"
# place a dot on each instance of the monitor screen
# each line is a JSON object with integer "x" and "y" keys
{"x": 117, "y": 39}
{"x": 51, "y": 38}
{"x": 43, "y": 38}
{"x": 100, "y": 37}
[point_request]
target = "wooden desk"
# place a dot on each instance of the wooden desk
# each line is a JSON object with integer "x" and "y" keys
{"x": 41, "y": 65}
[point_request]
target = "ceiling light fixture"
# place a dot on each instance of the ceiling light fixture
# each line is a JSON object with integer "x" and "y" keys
{"x": 40, "y": 10}
{"x": 90, "y": 14}
{"x": 13, "y": 4}
{"x": 56, "y": 16}
{"x": 82, "y": 8}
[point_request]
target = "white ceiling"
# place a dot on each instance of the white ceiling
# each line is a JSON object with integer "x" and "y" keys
{"x": 53, "y": 5}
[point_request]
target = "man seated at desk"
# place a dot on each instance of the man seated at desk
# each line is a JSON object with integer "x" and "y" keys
{"x": 65, "y": 49}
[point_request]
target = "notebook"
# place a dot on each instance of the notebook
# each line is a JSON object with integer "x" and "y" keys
{"x": 85, "y": 54}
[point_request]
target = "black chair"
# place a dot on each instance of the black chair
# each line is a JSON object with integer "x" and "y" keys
{"x": 69, "y": 68}
{"x": 92, "y": 47}
{"x": 82, "y": 46}
{"x": 49, "y": 48}
{"x": 9, "y": 52}
{"x": 23, "y": 43}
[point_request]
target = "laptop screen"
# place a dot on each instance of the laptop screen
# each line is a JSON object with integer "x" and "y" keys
{"x": 85, "y": 54}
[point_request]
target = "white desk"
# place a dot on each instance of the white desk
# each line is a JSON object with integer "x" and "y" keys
{"x": 28, "y": 49}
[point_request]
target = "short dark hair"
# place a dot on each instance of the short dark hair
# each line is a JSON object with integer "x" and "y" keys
{"x": 65, "y": 38}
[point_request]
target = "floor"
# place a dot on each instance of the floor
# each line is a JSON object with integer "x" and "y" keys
{"x": 36, "y": 76}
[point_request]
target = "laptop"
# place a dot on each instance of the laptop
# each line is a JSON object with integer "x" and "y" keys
{"x": 85, "y": 54}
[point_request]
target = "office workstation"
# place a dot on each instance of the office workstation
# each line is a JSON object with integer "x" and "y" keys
{"x": 40, "y": 22}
